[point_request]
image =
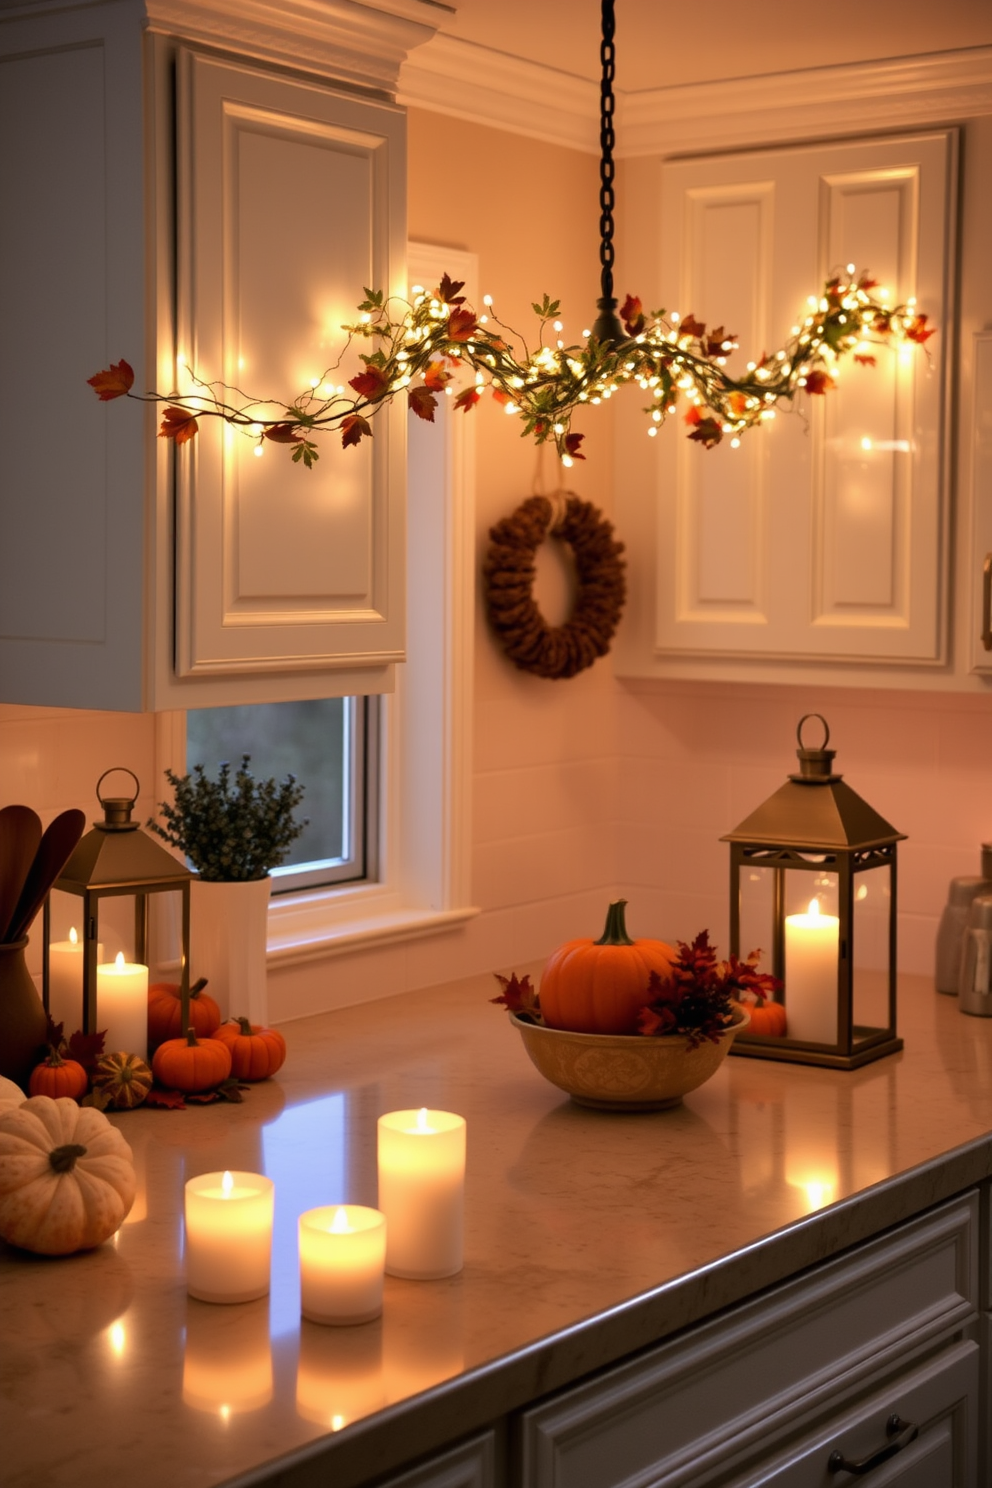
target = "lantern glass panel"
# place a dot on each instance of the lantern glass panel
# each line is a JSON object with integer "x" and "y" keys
{"x": 871, "y": 919}
{"x": 757, "y": 922}
{"x": 819, "y": 883}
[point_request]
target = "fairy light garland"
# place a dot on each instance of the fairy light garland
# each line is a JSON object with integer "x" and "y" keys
{"x": 675, "y": 360}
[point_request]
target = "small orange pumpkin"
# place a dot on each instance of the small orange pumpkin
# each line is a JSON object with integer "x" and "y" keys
{"x": 125, "y": 1079}
{"x": 767, "y": 1019}
{"x": 57, "y": 1077}
{"x": 191, "y": 1065}
{"x": 165, "y": 1012}
{"x": 600, "y": 986}
{"x": 256, "y": 1052}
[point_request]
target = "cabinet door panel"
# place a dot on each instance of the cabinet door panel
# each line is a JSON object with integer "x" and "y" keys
{"x": 290, "y": 203}
{"x": 980, "y": 553}
{"x": 823, "y": 535}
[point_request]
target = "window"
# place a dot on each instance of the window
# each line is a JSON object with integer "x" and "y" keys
{"x": 331, "y": 746}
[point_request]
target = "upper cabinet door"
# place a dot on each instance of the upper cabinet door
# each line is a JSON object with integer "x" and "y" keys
{"x": 823, "y": 537}
{"x": 290, "y": 201}
{"x": 979, "y": 552}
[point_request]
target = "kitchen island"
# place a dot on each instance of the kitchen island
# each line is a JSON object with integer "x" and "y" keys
{"x": 589, "y": 1237}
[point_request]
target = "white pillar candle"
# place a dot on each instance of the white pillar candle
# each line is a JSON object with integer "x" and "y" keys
{"x": 122, "y": 1006}
{"x": 811, "y": 966}
{"x": 65, "y": 981}
{"x": 342, "y": 1255}
{"x": 229, "y": 1236}
{"x": 422, "y": 1192}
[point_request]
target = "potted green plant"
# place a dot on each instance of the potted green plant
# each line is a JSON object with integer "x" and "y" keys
{"x": 233, "y": 830}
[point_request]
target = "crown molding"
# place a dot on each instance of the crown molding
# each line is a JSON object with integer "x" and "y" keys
{"x": 465, "y": 81}
{"x": 361, "y": 43}
{"x": 470, "y": 82}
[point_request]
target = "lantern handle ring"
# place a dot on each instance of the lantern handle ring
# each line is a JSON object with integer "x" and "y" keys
{"x": 805, "y": 719}
{"x": 113, "y": 770}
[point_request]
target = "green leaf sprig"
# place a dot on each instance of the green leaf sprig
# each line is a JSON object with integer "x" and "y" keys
{"x": 231, "y": 834}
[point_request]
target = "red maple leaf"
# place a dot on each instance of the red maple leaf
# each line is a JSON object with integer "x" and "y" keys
{"x": 370, "y": 384}
{"x": 167, "y": 1100}
{"x": 113, "y": 382}
{"x": 462, "y": 325}
{"x": 86, "y": 1048}
{"x": 423, "y": 402}
{"x": 572, "y": 442}
{"x": 501, "y": 397}
{"x": 283, "y": 434}
{"x": 353, "y": 429}
{"x": 863, "y": 360}
{"x": 467, "y": 399}
{"x": 818, "y": 382}
{"x": 447, "y": 291}
{"x": 713, "y": 343}
{"x": 707, "y": 431}
{"x": 918, "y": 331}
{"x": 632, "y": 315}
{"x": 518, "y": 995}
{"x": 692, "y": 327}
{"x": 435, "y": 377}
{"x": 178, "y": 424}
{"x": 866, "y": 282}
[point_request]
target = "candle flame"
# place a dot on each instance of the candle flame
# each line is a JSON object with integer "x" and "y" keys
{"x": 73, "y": 937}
{"x": 814, "y": 907}
{"x": 337, "y": 1422}
{"x": 339, "y": 1224}
{"x": 227, "y": 1185}
{"x": 119, "y": 962}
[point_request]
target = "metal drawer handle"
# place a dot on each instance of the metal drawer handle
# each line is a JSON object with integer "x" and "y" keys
{"x": 986, "y": 636}
{"x": 900, "y": 1434}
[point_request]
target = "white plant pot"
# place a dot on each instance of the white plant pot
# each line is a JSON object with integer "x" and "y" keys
{"x": 227, "y": 941}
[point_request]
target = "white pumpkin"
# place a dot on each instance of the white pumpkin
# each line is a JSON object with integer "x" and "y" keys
{"x": 10, "y": 1094}
{"x": 66, "y": 1176}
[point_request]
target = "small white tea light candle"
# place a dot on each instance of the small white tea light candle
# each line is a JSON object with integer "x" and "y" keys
{"x": 342, "y": 1255}
{"x": 811, "y": 956}
{"x": 122, "y": 1006}
{"x": 229, "y": 1236}
{"x": 65, "y": 981}
{"x": 422, "y": 1192}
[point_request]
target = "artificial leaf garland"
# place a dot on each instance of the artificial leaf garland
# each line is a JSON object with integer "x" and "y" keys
{"x": 416, "y": 348}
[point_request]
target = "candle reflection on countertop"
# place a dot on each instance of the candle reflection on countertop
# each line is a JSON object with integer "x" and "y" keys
{"x": 339, "y": 1375}
{"x": 227, "y": 1359}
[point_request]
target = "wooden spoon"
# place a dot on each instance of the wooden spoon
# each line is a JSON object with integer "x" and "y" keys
{"x": 20, "y": 834}
{"x": 57, "y": 845}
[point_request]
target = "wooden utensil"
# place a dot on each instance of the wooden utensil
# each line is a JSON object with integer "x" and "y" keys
{"x": 20, "y": 834}
{"x": 55, "y": 850}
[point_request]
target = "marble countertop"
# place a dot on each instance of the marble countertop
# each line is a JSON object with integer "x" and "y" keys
{"x": 588, "y": 1235}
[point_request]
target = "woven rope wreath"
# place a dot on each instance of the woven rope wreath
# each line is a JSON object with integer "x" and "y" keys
{"x": 509, "y": 572}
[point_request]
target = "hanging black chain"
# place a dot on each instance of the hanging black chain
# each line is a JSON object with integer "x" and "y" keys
{"x": 607, "y": 328}
{"x": 607, "y": 139}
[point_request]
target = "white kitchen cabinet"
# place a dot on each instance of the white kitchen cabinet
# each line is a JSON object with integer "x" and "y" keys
{"x": 768, "y": 1390}
{"x": 229, "y": 206}
{"x": 979, "y": 619}
{"x": 822, "y": 539}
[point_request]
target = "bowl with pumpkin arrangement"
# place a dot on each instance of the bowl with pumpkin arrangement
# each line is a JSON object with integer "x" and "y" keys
{"x": 633, "y": 1025}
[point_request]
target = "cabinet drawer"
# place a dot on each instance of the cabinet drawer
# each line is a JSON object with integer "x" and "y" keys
{"x": 471, "y": 1465}
{"x": 786, "y": 1357}
{"x": 940, "y": 1398}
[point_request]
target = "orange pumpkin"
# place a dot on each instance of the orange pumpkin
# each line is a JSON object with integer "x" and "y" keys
{"x": 165, "y": 1012}
{"x": 600, "y": 986}
{"x": 191, "y": 1065}
{"x": 767, "y": 1019}
{"x": 256, "y": 1052}
{"x": 57, "y": 1077}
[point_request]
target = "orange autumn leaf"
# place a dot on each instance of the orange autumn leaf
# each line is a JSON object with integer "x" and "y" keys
{"x": 435, "y": 377}
{"x": 818, "y": 382}
{"x": 178, "y": 424}
{"x": 690, "y": 326}
{"x": 353, "y": 429}
{"x": 447, "y": 291}
{"x": 863, "y": 360}
{"x": 917, "y": 329}
{"x": 113, "y": 382}
{"x": 501, "y": 397}
{"x": 737, "y": 402}
{"x": 467, "y": 399}
{"x": 423, "y": 403}
{"x": 282, "y": 434}
{"x": 370, "y": 384}
{"x": 462, "y": 325}
{"x": 632, "y": 315}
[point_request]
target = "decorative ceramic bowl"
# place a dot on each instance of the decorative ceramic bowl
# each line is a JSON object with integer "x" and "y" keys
{"x": 624, "y": 1072}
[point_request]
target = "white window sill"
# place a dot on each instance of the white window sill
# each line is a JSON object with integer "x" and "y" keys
{"x": 310, "y": 927}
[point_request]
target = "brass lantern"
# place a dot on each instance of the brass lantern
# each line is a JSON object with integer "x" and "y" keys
{"x": 813, "y": 880}
{"x": 116, "y": 858}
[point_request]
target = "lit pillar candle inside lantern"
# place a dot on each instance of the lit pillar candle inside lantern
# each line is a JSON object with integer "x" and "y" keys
{"x": 422, "y": 1192}
{"x": 342, "y": 1254}
{"x": 229, "y": 1236}
{"x": 65, "y": 981}
{"x": 122, "y": 1006}
{"x": 811, "y": 955}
